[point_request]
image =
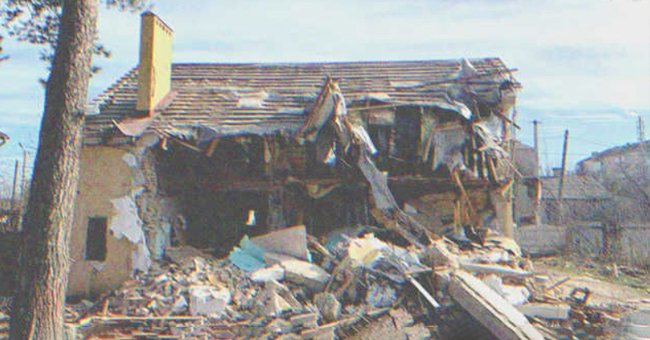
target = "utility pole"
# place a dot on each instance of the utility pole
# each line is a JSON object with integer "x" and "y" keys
{"x": 568, "y": 239}
{"x": 538, "y": 204}
{"x": 13, "y": 194}
{"x": 23, "y": 186}
{"x": 640, "y": 129}
{"x": 563, "y": 170}
{"x": 536, "y": 145}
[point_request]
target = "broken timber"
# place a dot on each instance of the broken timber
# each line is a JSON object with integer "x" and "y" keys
{"x": 423, "y": 291}
{"x": 493, "y": 269}
{"x": 490, "y": 309}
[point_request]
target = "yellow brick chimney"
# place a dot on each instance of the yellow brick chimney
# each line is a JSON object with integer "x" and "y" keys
{"x": 155, "y": 69}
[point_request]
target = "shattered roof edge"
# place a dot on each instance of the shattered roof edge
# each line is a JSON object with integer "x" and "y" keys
{"x": 338, "y": 62}
{"x": 105, "y": 95}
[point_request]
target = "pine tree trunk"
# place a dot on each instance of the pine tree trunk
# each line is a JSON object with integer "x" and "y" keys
{"x": 39, "y": 301}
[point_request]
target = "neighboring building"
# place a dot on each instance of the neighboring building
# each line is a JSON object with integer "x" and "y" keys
{"x": 202, "y": 154}
{"x": 630, "y": 160}
{"x": 583, "y": 200}
{"x": 625, "y": 172}
{"x": 526, "y": 160}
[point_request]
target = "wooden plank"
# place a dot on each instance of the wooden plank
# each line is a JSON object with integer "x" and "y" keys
{"x": 424, "y": 292}
{"x": 457, "y": 218}
{"x": 188, "y": 145}
{"x": 494, "y": 269}
{"x": 213, "y": 146}
{"x": 558, "y": 283}
{"x": 465, "y": 197}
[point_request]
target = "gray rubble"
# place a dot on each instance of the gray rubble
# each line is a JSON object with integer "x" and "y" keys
{"x": 365, "y": 287}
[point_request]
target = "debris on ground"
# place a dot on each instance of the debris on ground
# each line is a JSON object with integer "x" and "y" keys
{"x": 366, "y": 287}
{"x": 286, "y": 294}
{"x": 406, "y": 282}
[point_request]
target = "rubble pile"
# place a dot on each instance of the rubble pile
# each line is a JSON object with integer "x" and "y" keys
{"x": 498, "y": 264}
{"x": 291, "y": 290}
{"x": 351, "y": 284}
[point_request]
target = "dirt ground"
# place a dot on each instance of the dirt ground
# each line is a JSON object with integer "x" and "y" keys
{"x": 605, "y": 287}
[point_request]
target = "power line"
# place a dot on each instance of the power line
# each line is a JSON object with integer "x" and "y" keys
{"x": 569, "y": 153}
{"x": 590, "y": 142}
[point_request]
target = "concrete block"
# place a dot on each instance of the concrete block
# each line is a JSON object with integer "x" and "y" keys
{"x": 329, "y": 306}
{"x": 546, "y": 310}
{"x": 275, "y": 272}
{"x": 490, "y": 309}
{"x": 280, "y": 326}
{"x": 306, "y": 274}
{"x": 290, "y": 241}
{"x": 380, "y": 295}
{"x": 306, "y": 320}
{"x": 208, "y": 300}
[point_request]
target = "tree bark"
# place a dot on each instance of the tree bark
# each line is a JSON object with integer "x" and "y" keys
{"x": 39, "y": 300}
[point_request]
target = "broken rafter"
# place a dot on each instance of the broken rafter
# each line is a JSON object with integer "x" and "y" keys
{"x": 211, "y": 148}
{"x": 457, "y": 217}
{"x": 506, "y": 187}
{"x": 126, "y": 318}
{"x": 494, "y": 269}
{"x": 465, "y": 197}
{"x": 423, "y": 291}
{"x": 318, "y": 116}
{"x": 374, "y": 107}
{"x": 558, "y": 283}
{"x": 466, "y": 78}
{"x": 492, "y": 172}
{"x": 505, "y": 118}
{"x": 392, "y": 224}
{"x": 319, "y": 247}
{"x": 188, "y": 145}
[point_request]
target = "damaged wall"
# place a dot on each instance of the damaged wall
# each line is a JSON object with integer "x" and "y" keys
{"x": 214, "y": 175}
{"x": 118, "y": 187}
{"x": 527, "y": 192}
{"x": 160, "y": 214}
{"x": 106, "y": 182}
{"x": 216, "y": 203}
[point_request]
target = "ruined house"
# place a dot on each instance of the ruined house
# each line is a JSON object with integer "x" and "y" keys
{"x": 583, "y": 200}
{"x": 630, "y": 160}
{"x": 202, "y": 154}
{"x": 623, "y": 170}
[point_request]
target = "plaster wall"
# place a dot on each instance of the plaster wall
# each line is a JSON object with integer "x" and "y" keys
{"x": 104, "y": 176}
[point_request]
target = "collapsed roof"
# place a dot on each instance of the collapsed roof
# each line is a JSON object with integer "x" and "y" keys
{"x": 230, "y": 99}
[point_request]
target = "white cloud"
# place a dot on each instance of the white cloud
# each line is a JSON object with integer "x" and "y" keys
{"x": 577, "y": 54}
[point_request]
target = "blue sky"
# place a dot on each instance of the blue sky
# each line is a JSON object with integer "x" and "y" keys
{"x": 585, "y": 65}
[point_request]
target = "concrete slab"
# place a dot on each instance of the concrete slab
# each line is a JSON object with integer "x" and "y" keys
{"x": 306, "y": 274}
{"x": 490, "y": 309}
{"x": 546, "y": 310}
{"x": 290, "y": 241}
